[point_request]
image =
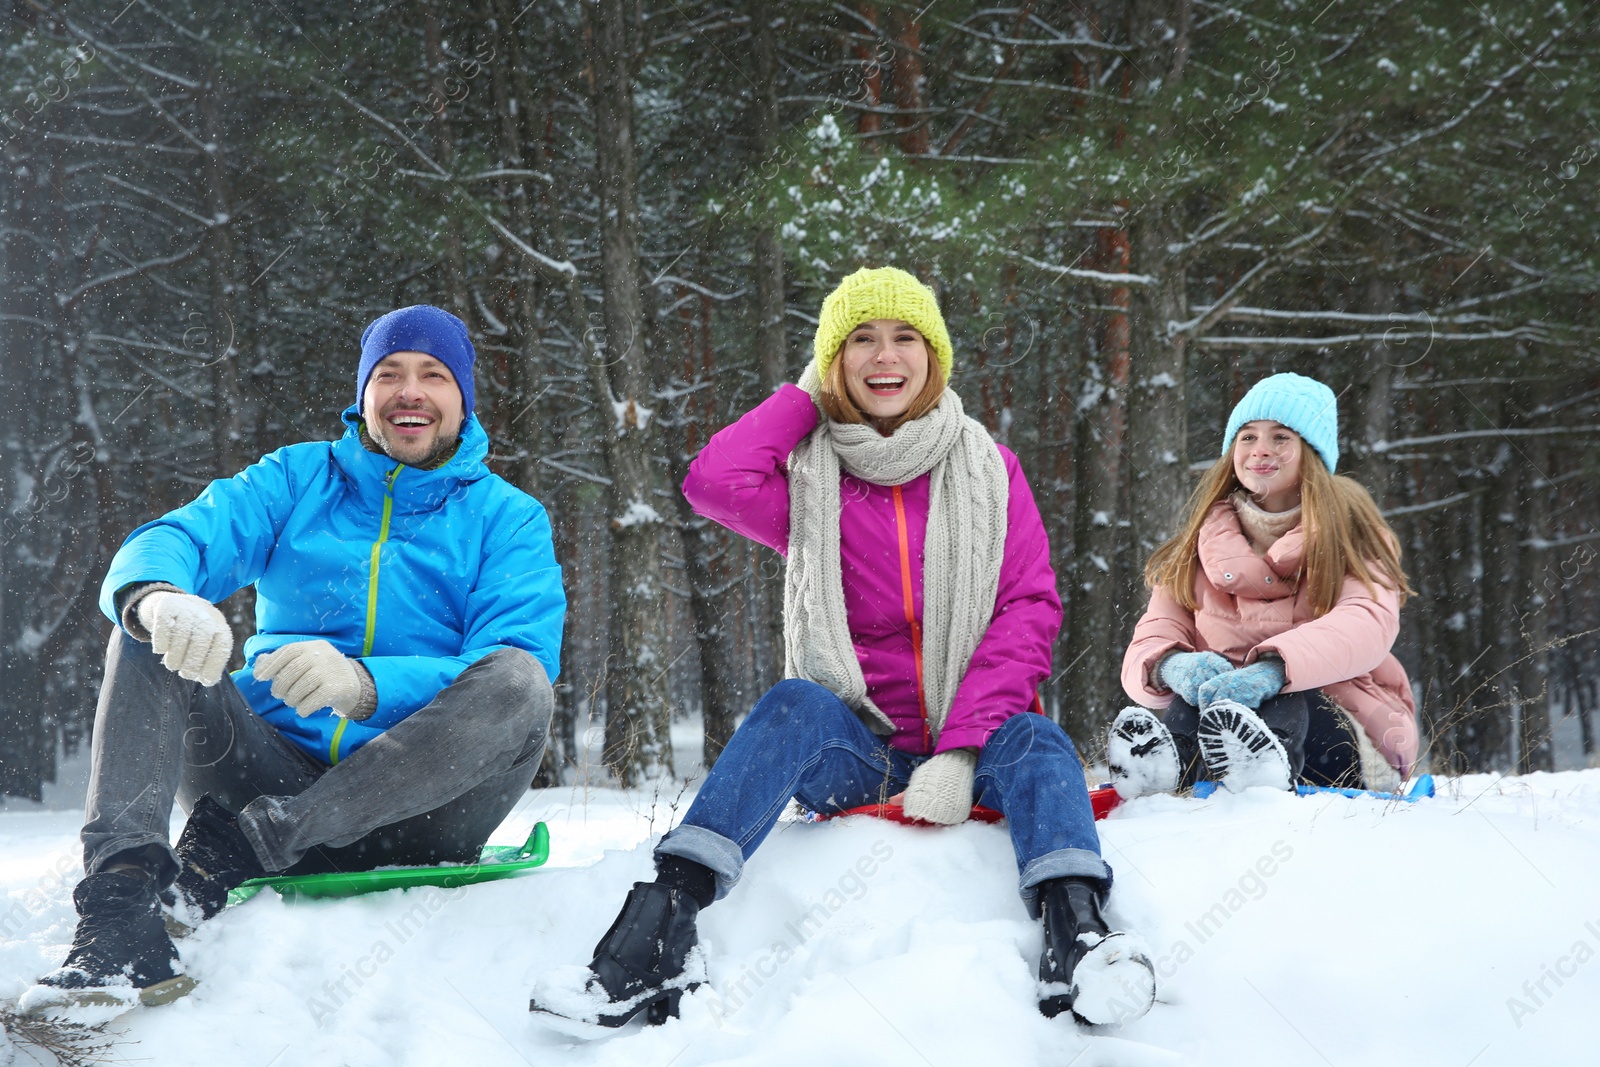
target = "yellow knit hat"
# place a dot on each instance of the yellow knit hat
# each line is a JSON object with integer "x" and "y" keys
{"x": 879, "y": 293}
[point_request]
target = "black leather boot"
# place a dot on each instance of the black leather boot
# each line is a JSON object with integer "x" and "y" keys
{"x": 215, "y": 857}
{"x": 1085, "y": 968}
{"x": 121, "y": 955}
{"x": 640, "y": 962}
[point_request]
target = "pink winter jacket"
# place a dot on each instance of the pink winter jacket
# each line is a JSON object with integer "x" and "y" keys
{"x": 1251, "y": 604}
{"x": 739, "y": 481}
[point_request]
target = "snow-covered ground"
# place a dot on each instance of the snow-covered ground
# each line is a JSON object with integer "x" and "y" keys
{"x": 1461, "y": 931}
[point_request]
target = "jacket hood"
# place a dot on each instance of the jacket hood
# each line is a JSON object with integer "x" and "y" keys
{"x": 413, "y": 489}
{"x": 1230, "y": 563}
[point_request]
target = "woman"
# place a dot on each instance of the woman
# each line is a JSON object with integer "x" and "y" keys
{"x": 919, "y": 613}
{"x": 1271, "y": 617}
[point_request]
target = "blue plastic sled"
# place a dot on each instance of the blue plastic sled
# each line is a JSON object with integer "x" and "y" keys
{"x": 1422, "y": 787}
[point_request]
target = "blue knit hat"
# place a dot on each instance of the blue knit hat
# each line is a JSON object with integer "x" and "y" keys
{"x": 1303, "y": 404}
{"x": 419, "y": 328}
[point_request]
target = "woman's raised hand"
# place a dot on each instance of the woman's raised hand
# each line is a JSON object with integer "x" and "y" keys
{"x": 810, "y": 381}
{"x": 1185, "y": 672}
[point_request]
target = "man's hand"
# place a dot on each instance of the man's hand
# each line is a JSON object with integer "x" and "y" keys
{"x": 940, "y": 790}
{"x": 188, "y": 633}
{"x": 311, "y": 675}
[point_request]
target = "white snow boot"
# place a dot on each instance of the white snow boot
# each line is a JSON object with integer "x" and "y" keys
{"x": 1141, "y": 755}
{"x": 1240, "y": 750}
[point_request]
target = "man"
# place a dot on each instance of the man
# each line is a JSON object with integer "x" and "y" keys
{"x": 395, "y": 698}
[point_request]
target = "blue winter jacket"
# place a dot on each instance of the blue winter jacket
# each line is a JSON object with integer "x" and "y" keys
{"x": 418, "y": 573}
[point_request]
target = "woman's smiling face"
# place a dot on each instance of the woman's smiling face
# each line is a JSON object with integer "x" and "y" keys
{"x": 885, "y": 368}
{"x": 1266, "y": 459}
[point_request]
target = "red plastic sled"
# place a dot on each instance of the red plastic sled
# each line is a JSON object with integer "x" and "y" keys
{"x": 895, "y": 813}
{"x": 1103, "y": 799}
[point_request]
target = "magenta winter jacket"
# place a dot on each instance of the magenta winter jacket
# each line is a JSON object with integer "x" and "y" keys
{"x": 739, "y": 480}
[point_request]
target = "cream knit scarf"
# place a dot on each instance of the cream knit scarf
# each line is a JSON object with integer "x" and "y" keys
{"x": 1262, "y": 528}
{"x": 968, "y": 494}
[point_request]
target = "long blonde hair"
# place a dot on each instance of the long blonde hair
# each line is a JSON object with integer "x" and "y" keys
{"x": 835, "y": 400}
{"x": 1345, "y": 535}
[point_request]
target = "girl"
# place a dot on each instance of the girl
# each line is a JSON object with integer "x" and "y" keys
{"x": 919, "y": 613}
{"x": 1271, "y": 617}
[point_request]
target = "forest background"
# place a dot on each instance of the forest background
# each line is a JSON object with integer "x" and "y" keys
{"x": 1131, "y": 211}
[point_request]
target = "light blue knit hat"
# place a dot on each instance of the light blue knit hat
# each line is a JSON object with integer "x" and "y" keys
{"x": 1303, "y": 404}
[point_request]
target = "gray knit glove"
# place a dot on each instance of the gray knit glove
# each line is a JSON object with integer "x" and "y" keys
{"x": 190, "y": 635}
{"x": 941, "y": 789}
{"x": 312, "y": 675}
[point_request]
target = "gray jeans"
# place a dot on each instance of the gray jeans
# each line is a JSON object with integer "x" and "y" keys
{"x": 432, "y": 788}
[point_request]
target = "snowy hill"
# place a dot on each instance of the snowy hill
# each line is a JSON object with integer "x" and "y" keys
{"x": 1458, "y": 931}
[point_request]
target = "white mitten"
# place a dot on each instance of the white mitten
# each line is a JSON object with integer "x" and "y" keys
{"x": 941, "y": 789}
{"x": 311, "y": 675}
{"x": 188, "y": 633}
{"x": 810, "y": 381}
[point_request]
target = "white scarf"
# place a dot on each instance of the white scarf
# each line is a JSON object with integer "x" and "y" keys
{"x": 966, "y": 537}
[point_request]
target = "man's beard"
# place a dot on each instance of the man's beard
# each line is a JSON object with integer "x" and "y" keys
{"x": 442, "y": 446}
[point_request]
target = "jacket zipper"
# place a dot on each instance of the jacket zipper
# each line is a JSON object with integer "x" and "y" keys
{"x": 911, "y": 611}
{"x": 372, "y": 596}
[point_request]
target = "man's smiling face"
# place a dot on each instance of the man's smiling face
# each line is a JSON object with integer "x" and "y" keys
{"x": 412, "y": 408}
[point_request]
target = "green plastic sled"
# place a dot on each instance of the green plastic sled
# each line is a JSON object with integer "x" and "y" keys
{"x": 495, "y": 862}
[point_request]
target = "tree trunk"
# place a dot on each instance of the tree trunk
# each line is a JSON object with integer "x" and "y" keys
{"x": 1473, "y": 649}
{"x": 638, "y": 739}
{"x": 909, "y": 94}
{"x": 51, "y": 545}
{"x": 869, "y": 121}
{"x": 1377, "y": 424}
{"x": 228, "y": 317}
{"x": 771, "y": 336}
{"x": 224, "y": 333}
{"x": 1058, "y": 493}
{"x": 444, "y": 150}
{"x": 705, "y": 546}
{"x": 527, "y": 418}
{"x": 1158, "y": 401}
{"x": 528, "y": 415}
{"x": 1096, "y": 594}
{"x": 28, "y": 249}
{"x": 772, "y": 344}
{"x": 1158, "y": 404}
{"x": 1530, "y": 676}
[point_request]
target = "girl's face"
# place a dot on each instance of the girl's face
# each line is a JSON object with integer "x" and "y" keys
{"x": 1266, "y": 458}
{"x": 885, "y": 366}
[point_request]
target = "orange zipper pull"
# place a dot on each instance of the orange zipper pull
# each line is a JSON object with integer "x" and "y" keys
{"x": 911, "y": 611}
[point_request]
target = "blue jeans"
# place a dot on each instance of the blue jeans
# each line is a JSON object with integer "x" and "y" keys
{"x": 802, "y": 741}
